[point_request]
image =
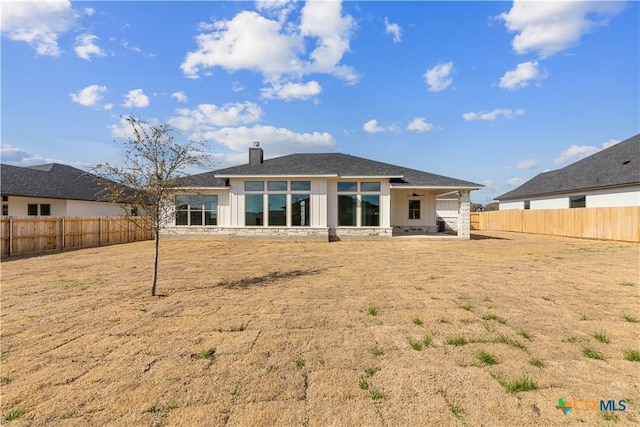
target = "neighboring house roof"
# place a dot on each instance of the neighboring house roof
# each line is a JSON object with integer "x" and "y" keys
{"x": 618, "y": 165}
{"x": 333, "y": 165}
{"x": 53, "y": 181}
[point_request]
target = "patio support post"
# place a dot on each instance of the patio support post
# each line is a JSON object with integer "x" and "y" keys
{"x": 464, "y": 217}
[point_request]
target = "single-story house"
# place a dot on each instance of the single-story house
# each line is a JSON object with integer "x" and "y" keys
{"x": 608, "y": 178}
{"x": 52, "y": 190}
{"x": 325, "y": 196}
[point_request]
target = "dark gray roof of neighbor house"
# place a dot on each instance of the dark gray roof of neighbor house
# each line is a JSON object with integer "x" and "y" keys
{"x": 54, "y": 181}
{"x": 335, "y": 164}
{"x": 617, "y": 165}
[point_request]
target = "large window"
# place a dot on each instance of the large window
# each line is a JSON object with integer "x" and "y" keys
{"x": 197, "y": 210}
{"x": 288, "y": 203}
{"x": 414, "y": 209}
{"x": 370, "y": 211}
{"x": 358, "y": 208}
{"x": 277, "y": 209}
{"x": 253, "y": 209}
{"x": 300, "y": 209}
{"x": 347, "y": 211}
{"x": 577, "y": 201}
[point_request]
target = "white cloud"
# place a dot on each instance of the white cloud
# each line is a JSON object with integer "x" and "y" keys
{"x": 372, "y": 127}
{"x": 323, "y": 21}
{"x": 179, "y": 96}
{"x": 90, "y": 96}
{"x": 525, "y": 164}
{"x": 248, "y": 41}
{"x": 548, "y": 27}
{"x": 136, "y": 99}
{"x": 419, "y": 124}
{"x": 38, "y": 23}
{"x": 85, "y": 47}
{"x": 276, "y": 48}
{"x": 439, "y": 77}
{"x": 290, "y": 91}
{"x": 515, "y": 182}
{"x": 279, "y": 9}
{"x": 89, "y": 11}
{"x": 275, "y": 141}
{"x": 393, "y": 29}
{"x": 521, "y": 76}
{"x": 492, "y": 115}
{"x": 578, "y": 152}
{"x": 207, "y": 116}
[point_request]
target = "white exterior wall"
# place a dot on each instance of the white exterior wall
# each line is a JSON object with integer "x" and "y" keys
{"x": 400, "y": 209}
{"x": 511, "y": 204}
{"x": 18, "y": 205}
{"x": 447, "y": 209}
{"x": 86, "y": 208}
{"x": 612, "y": 197}
{"x": 628, "y": 196}
{"x": 60, "y": 207}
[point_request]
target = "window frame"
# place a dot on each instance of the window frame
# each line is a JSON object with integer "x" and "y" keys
{"x": 32, "y": 209}
{"x": 358, "y": 192}
{"x": 415, "y": 211}
{"x": 578, "y": 201}
{"x": 274, "y": 190}
{"x": 189, "y": 213}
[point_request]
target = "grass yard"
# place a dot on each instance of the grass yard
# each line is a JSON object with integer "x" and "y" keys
{"x": 490, "y": 331}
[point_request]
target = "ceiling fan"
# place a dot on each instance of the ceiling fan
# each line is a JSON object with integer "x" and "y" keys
{"x": 414, "y": 194}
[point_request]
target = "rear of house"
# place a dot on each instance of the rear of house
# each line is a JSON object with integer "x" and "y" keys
{"x": 325, "y": 196}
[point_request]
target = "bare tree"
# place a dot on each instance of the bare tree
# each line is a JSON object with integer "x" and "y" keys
{"x": 152, "y": 169}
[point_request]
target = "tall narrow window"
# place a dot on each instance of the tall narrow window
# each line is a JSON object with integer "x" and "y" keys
{"x": 414, "y": 209}
{"x": 211, "y": 210}
{"x": 527, "y": 204}
{"x": 347, "y": 211}
{"x": 277, "y": 209}
{"x": 253, "y": 209}
{"x": 300, "y": 209}
{"x": 370, "y": 211}
{"x": 195, "y": 210}
{"x": 5, "y": 205}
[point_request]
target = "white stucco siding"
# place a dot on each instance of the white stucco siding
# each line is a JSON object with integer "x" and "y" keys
{"x": 611, "y": 197}
{"x": 86, "y": 208}
{"x": 18, "y": 205}
{"x": 627, "y": 196}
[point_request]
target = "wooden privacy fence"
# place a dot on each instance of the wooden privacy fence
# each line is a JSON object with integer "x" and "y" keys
{"x": 33, "y": 235}
{"x": 591, "y": 223}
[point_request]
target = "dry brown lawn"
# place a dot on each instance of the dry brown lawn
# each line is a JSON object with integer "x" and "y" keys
{"x": 318, "y": 334}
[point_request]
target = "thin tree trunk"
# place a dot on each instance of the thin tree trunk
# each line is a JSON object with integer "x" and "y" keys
{"x": 155, "y": 263}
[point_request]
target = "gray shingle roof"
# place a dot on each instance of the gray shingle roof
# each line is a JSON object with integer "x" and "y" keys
{"x": 54, "y": 181}
{"x": 335, "y": 164}
{"x": 617, "y": 165}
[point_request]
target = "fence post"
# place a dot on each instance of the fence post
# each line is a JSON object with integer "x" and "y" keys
{"x": 64, "y": 235}
{"x": 128, "y": 231}
{"x": 10, "y": 235}
{"x": 99, "y": 231}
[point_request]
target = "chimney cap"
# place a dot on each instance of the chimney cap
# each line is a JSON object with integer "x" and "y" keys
{"x": 256, "y": 143}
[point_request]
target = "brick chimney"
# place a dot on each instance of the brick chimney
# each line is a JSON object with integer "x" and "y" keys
{"x": 255, "y": 154}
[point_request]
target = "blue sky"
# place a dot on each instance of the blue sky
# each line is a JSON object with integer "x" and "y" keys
{"x": 491, "y": 92}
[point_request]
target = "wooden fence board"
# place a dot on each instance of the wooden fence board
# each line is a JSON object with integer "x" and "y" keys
{"x": 33, "y": 235}
{"x": 619, "y": 223}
